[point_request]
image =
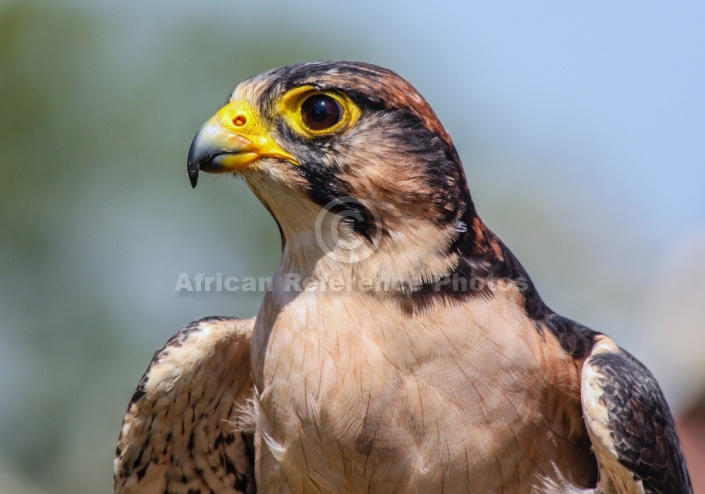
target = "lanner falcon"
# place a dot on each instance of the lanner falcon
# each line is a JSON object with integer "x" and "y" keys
{"x": 401, "y": 347}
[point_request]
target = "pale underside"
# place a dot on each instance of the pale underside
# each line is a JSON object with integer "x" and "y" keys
{"x": 356, "y": 396}
{"x": 368, "y": 421}
{"x": 353, "y": 398}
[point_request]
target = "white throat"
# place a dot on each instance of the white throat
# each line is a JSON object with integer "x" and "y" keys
{"x": 323, "y": 247}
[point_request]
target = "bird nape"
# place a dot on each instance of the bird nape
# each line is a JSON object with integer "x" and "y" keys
{"x": 401, "y": 347}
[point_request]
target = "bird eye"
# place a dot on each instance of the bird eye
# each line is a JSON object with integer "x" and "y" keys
{"x": 321, "y": 112}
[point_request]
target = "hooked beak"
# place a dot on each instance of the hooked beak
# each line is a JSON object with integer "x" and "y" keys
{"x": 231, "y": 141}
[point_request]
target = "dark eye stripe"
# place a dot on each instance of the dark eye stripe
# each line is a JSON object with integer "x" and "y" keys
{"x": 321, "y": 112}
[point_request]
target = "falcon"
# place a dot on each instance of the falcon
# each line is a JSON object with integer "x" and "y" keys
{"x": 401, "y": 346}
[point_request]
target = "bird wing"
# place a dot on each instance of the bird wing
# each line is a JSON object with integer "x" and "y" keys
{"x": 630, "y": 425}
{"x": 185, "y": 429}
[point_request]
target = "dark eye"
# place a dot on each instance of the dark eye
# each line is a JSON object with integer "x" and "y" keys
{"x": 321, "y": 112}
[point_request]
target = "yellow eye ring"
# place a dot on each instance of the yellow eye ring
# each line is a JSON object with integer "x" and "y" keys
{"x": 314, "y": 113}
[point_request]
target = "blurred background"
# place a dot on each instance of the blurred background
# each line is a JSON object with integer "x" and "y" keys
{"x": 581, "y": 127}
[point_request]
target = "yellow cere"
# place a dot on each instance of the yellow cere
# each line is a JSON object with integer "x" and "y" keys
{"x": 290, "y": 108}
{"x": 241, "y": 118}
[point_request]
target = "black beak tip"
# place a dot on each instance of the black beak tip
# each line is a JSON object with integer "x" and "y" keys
{"x": 193, "y": 174}
{"x": 193, "y": 163}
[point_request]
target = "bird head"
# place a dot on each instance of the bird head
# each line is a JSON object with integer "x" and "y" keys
{"x": 354, "y": 166}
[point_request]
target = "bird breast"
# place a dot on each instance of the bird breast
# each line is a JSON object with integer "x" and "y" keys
{"x": 391, "y": 399}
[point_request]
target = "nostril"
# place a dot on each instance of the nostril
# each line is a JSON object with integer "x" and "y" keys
{"x": 239, "y": 120}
